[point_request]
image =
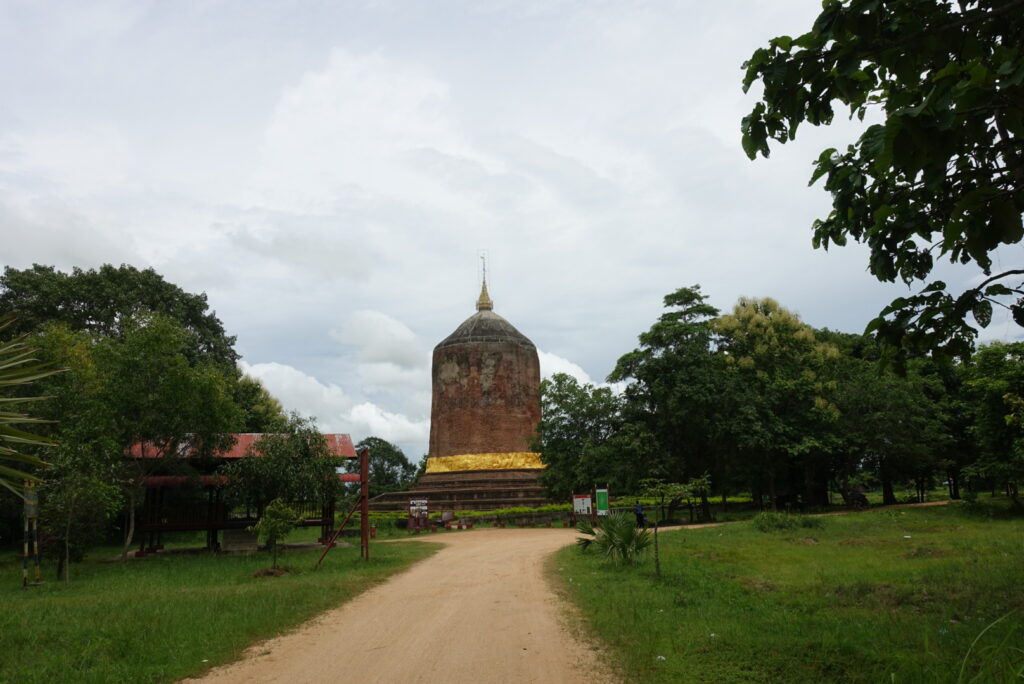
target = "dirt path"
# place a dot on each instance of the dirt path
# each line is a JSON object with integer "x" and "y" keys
{"x": 477, "y": 611}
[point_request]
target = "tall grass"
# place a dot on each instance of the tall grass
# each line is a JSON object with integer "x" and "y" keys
{"x": 904, "y": 596}
{"x": 168, "y": 617}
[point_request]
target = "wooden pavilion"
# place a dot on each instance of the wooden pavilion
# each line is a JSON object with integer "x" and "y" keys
{"x": 194, "y": 501}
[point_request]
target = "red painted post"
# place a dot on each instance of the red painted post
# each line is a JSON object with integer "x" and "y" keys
{"x": 364, "y": 490}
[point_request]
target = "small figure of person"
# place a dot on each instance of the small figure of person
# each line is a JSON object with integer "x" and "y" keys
{"x": 641, "y": 519}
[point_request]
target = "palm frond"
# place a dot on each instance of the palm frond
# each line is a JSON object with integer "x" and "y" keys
{"x": 18, "y": 367}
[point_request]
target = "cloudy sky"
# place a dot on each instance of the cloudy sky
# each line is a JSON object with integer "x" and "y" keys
{"x": 329, "y": 172}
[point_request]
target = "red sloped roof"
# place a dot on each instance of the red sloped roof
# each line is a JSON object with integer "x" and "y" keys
{"x": 213, "y": 480}
{"x": 339, "y": 446}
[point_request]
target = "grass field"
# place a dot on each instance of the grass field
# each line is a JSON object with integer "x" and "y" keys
{"x": 880, "y": 596}
{"x": 171, "y": 616}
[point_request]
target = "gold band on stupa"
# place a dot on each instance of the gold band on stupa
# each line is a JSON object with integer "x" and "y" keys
{"x": 506, "y": 461}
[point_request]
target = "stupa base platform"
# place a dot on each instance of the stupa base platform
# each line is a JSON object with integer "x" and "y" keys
{"x": 472, "y": 490}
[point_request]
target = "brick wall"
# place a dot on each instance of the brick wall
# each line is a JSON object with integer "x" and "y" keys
{"x": 486, "y": 398}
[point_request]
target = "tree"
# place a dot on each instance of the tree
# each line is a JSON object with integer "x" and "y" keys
{"x": 890, "y": 428}
{"x": 80, "y": 490}
{"x": 295, "y": 466}
{"x": 941, "y": 177}
{"x": 277, "y": 521}
{"x": 261, "y": 411}
{"x": 582, "y": 440}
{"x": 18, "y": 367}
{"x": 390, "y": 470}
{"x": 158, "y": 397}
{"x": 782, "y": 414}
{"x": 108, "y": 301}
{"x": 138, "y": 388}
{"x": 150, "y": 365}
{"x": 994, "y": 387}
{"x": 678, "y": 387}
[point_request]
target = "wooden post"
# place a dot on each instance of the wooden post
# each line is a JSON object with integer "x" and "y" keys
{"x": 657, "y": 558}
{"x": 364, "y": 491}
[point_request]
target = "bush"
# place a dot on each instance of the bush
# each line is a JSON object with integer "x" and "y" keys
{"x": 618, "y": 538}
{"x": 274, "y": 525}
{"x": 777, "y": 522}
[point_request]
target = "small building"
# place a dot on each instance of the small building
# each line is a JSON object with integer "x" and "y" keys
{"x": 184, "y": 493}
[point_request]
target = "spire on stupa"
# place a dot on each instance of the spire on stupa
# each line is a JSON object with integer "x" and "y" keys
{"x": 484, "y": 303}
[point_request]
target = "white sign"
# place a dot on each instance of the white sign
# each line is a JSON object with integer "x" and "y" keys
{"x": 418, "y": 507}
{"x": 581, "y": 504}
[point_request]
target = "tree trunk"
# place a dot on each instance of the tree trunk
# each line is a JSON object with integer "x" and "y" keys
{"x": 888, "y": 497}
{"x": 130, "y": 532}
{"x": 67, "y": 539}
{"x": 705, "y": 507}
{"x": 954, "y": 484}
{"x": 771, "y": 492}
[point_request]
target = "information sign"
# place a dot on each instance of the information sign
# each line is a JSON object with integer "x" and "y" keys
{"x": 581, "y": 504}
{"x": 602, "y": 502}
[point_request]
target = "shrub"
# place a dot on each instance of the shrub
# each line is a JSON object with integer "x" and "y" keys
{"x": 777, "y": 522}
{"x": 275, "y": 524}
{"x": 617, "y": 538}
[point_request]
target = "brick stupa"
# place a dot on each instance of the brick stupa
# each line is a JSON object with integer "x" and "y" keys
{"x": 484, "y": 413}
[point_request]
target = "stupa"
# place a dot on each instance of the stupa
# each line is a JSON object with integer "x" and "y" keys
{"x": 484, "y": 413}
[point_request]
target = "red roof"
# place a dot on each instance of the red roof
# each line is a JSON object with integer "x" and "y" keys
{"x": 339, "y": 445}
{"x": 214, "y": 480}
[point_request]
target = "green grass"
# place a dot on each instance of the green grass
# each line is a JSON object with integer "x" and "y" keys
{"x": 172, "y": 616}
{"x": 882, "y": 596}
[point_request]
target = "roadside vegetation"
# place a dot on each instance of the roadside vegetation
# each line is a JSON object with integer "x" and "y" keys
{"x": 173, "y": 615}
{"x": 908, "y": 595}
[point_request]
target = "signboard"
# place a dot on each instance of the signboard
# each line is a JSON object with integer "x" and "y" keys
{"x": 581, "y": 504}
{"x": 602, "y": 502}
{"x": 418, "y": 508}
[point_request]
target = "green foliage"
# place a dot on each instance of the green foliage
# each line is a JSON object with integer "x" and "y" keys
{"x": 768, "y": 521}
{"x": 993, "y": 385}
{"x": 136, "y": 388}
{"x": 76, "y": 503}
{"x": 295, "y": 466}
{"x": 891, "y": 428}
{"x": 277, "y": 521}
{"x": 18, "y": 367}
{"x": 677, "y": 391}
{"x": 784, "y": 398}
{"x": 582, "y": 440}
{"x": 157, "y": 394}
{"x": 390, "y": 470}
{"x": 942, "y": 175}
{"x": 617, "y": 538}
{"x": 261, "y": 412}
{"x": 109, "y": 302}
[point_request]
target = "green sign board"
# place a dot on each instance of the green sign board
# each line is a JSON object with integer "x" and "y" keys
{"x": 602, "y": 502}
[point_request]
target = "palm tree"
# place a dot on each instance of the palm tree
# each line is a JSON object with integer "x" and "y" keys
{"x": 18, "y": 366}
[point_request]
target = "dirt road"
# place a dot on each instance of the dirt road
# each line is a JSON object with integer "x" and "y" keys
{"x": 477, "y": 611}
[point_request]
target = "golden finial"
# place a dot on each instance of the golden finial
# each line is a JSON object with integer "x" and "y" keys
{"x": 484, "y": 303}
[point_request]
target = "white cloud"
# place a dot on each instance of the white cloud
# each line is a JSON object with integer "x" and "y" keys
{"x": 298, "y": 391}
{"x": 552, "y": 363}
{"x": 334, "y": 410}
{"x": 346, "y": 132}
{"x": 382, "y": 339}
{"x": 390, "y": 426}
